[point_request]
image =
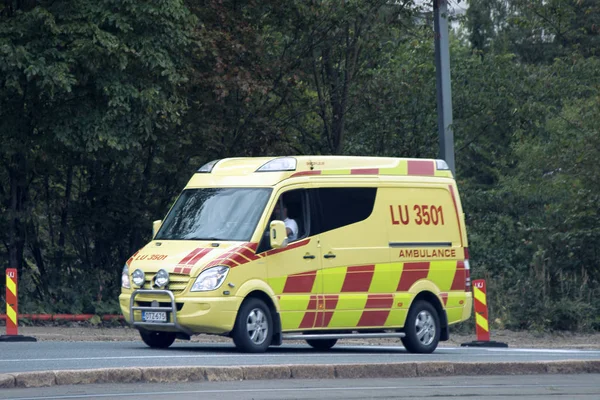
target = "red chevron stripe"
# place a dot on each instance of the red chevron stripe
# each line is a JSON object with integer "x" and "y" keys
{"x": 128, "y": 262}
{"x": 303, "y": 173}
{"x": 373, "y": 318}
{"x": 300, "y": 283}
{"x": 459, "y": 277}
{"x": 251, "y": 246}
{"x": 380, "y": 301}
{"x": 198, "y": 256}
{"x": 358, "y": 278}
{"x": 421, "y": 167}
{"x": 190, "y": 256}
{"x": 294, "y": 245}
{"x": 411, "y": 273}
{"x": 444, "y": 297}
{"x": 238, "y": 258}
{"x": 310, "y": 317}
{"x": 326, "y": 319}
{"x": 248, "y": 253}
{"x": 331, "y": 301}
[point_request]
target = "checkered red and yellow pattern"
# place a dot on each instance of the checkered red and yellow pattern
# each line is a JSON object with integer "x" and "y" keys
{"x": 376, "y": 295}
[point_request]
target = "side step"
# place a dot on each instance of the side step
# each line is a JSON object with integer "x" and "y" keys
{"x": 343, "y": 336}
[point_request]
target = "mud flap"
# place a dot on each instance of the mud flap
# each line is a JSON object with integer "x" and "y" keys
{"x": 445, "y": 329}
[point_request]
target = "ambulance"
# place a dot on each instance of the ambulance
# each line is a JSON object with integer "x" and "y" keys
{"x": 311, "y": 248}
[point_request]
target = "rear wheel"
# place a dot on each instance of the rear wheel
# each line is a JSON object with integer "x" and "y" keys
{"x": 253, "y": 330}
{"x": 321, "y": 344}
{"x": 158, "y": 340}
{"x": 422, "y": 328}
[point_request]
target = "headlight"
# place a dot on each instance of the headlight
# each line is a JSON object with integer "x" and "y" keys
{"x": 125, "y": 277}
{"x": 210, "y": 279}
{"x": 161, "y": 279}
{"x": 138, "y": 278}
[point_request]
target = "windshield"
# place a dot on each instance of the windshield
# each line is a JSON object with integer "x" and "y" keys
{"x": 215, "y": 214}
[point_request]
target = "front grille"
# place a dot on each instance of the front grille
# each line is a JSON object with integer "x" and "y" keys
{"x": 177, "y": 283}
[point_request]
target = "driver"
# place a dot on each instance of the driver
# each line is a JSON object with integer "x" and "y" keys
{"x": 291, "y": 226}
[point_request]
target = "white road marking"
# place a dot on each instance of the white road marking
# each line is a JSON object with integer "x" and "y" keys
{"x": 468, "y": 351}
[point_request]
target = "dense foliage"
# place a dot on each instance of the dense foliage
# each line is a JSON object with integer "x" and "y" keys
{"x": 107, "y": 107}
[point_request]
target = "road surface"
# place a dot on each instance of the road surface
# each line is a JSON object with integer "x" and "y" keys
{"x": 44, "y": 356}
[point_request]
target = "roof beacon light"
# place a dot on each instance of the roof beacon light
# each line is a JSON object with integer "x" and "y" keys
{"x": 441, "y": 165}
{"x": 207, "y": 168}
{"x": 279, "y": 164}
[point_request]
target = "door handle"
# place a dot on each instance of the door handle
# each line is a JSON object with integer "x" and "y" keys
{"x": 329, "y": 255}
{"x": 309, "y": 257}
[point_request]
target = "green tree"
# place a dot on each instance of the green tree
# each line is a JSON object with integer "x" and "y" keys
{"x": 535, "y": 30}
{"x": 86, "y": 87}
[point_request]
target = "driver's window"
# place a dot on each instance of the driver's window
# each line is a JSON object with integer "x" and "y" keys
{"x": 291, "y": 208}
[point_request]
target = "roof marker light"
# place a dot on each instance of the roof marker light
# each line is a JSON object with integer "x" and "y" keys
{"x": 207, "y": 168}
{"x": 441, "y": 165}
{"x": 279, "y": 164}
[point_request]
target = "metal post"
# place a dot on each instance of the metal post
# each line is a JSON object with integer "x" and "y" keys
{"x": 442, "y": 68}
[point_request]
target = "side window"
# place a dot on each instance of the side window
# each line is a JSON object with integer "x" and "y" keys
{"x": 339, "y": 207}
{"x": 292, "y": 208}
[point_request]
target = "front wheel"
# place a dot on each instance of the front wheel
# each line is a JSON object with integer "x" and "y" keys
{"x": 253, "y": 329}
{"x": 158, "y": 340}
{"x": 422, "y": 328}
{"x": 321, "y": 344}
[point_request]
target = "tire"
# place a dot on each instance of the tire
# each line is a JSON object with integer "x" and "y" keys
{"x": 253, "y": 329}
{"x": 422, "y": 328}
{"x": 321, "y": 344}
{"x": 158, "y": 340}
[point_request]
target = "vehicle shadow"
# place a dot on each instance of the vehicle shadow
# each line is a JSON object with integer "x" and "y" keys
{"x": 298, "y": 349}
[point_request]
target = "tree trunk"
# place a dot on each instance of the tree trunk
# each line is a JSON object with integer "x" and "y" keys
{"x": 16, "y": 227}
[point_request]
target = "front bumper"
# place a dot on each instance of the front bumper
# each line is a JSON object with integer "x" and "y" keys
{"x": 189, "y": 315}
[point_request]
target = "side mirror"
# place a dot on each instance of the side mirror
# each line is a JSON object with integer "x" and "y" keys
{"x": 156, "y": 226}
{"x": 278, "y": 235}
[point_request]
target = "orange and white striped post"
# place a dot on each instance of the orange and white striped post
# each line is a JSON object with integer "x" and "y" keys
{"x": 12, "y": 310}
{"x": 482, "y": 326}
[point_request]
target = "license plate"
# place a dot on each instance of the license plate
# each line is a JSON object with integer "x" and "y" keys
{"x": 154, "y": 316}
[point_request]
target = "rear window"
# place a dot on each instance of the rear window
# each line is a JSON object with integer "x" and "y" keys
{"x": 338, "y": 207}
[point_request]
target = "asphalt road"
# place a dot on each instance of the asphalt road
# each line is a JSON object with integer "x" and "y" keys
{"x": 44, "y": 356}
{"x": 538, "y": 387}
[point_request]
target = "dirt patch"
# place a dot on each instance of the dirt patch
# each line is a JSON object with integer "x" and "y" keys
{"x": 75, "y": 333}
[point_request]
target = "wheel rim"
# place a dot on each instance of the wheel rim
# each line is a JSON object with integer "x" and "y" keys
{"x": 425, "y": 327}
{"x": 256, "y": 326}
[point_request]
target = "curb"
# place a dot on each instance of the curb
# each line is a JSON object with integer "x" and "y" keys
{"x": 279, "y": 372}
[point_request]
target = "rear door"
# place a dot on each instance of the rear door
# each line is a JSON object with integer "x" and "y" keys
{"x": 425, "y": 236}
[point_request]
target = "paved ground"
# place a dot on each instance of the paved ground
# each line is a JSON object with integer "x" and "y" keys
{"x": 541, "y": 387}
{"x": 48, "y": 356}
{"x": 80, "y": 332}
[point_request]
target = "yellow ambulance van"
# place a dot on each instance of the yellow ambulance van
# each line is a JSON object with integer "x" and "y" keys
{"x": 314, "y": 248}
